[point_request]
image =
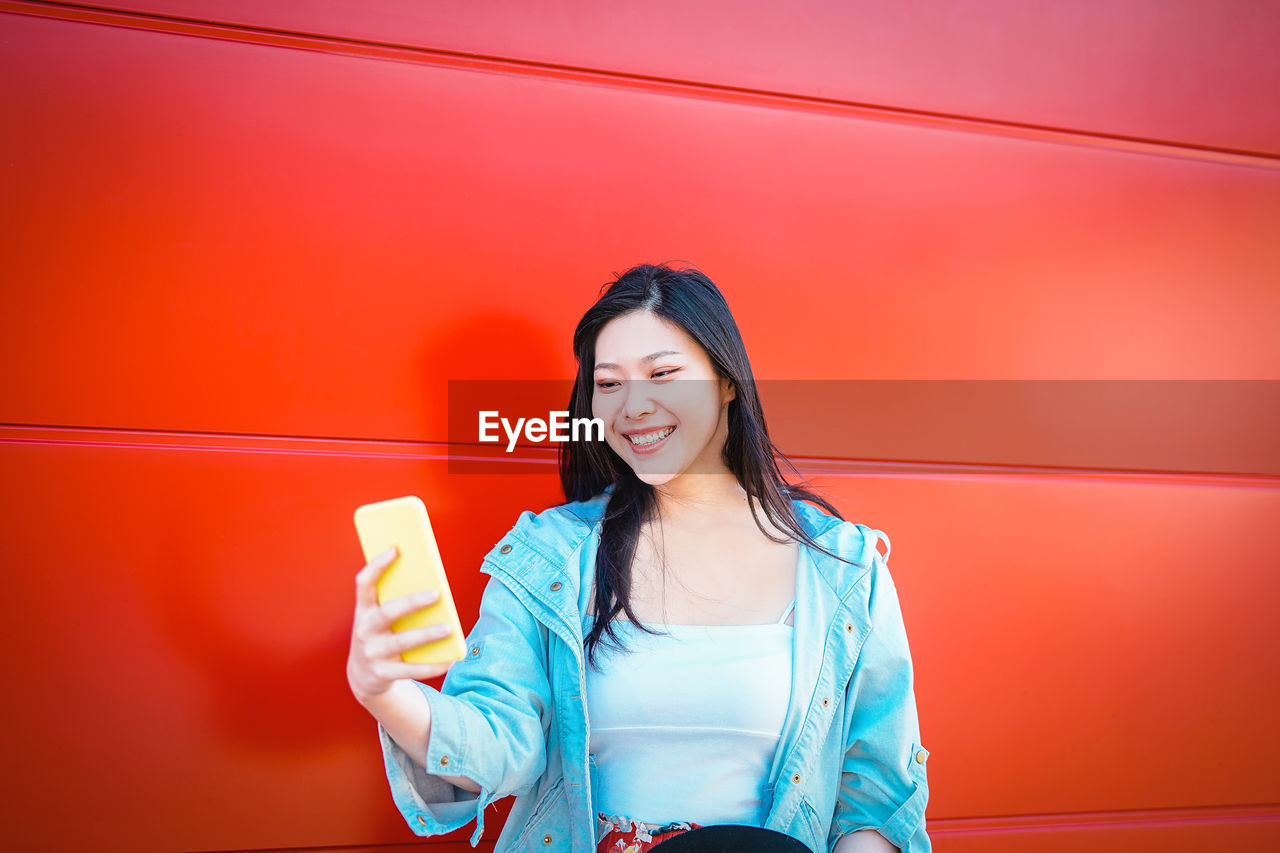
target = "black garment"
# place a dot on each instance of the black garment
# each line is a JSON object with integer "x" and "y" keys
{"x": 730, "y": 838}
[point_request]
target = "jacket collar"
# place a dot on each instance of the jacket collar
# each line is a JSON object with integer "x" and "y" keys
{"x": 551, "y": 555}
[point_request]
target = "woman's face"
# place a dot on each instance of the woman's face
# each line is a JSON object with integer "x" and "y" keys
{"x": 665, "y": 410}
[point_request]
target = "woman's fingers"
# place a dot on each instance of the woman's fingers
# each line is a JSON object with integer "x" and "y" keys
{"x": 381, "y": 616}
{"x": 374, "y": 662}
{"x": 400, "y": 669}
{"x": 389, "y": 645}
{"x": 367, "y": 577}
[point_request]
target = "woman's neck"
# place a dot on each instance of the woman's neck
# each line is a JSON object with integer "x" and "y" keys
{"x": 701, "y": 498}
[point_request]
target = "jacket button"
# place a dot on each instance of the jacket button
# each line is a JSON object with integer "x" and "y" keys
{"x": 422, "y": 821}
{"x": 825, "y": 701}
{"x": 475, "y": 650}
{"x": 555, "y": 587}
{"x": 444, "y": 759}
{"x": 920, "y": 757}
{"x": 848, "y": 627}
{"x": 505, "y": 549}
{"x": 795, "y": 779}
{"x": 546, "y": 839}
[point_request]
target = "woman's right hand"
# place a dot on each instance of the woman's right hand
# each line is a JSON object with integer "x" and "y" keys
{"x": 374, "y": 663}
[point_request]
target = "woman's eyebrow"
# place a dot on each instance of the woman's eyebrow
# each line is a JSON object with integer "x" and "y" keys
{"x": 609, "y": 365}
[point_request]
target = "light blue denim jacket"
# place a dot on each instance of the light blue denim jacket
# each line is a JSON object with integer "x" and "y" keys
{"x": 511, "y": 716}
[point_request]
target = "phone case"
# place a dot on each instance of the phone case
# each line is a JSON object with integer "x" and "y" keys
{"x": 404, "y": 522}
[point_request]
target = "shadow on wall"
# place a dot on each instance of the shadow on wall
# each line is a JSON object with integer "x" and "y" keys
{"x": 263, "y": 611}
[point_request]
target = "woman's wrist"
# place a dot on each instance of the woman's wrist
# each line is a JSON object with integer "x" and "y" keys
{"x": 393, "y": 695}
{"x": 366, "y": 696}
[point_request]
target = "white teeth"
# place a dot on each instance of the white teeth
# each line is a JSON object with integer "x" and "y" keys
{"x": 650, "y": 438}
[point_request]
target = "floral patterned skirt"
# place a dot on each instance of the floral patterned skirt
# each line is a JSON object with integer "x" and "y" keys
{"x": 623, "y": 835}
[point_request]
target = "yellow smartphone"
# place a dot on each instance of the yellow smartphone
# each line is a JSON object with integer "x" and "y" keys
{"x": 404, "y": 522}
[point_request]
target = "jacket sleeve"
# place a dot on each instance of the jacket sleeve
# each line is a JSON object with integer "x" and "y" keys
{"x": 883, "y": 784}
{"x": 487, "y": 723}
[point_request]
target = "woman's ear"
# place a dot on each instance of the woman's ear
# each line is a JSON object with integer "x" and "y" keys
{"x": 727, "y": 391}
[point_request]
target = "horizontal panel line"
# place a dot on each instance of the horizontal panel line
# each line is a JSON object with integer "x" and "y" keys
{"x": 810, "y": 467}
{"x": 486, "y": 843}
{"x": 1110, "y": 819}
{"x": 176, "y": 25}
{"x": 941, "y": 470}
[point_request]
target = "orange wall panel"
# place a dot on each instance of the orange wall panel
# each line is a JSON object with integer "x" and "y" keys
{"x": 1071, "y": 635}
{"x": 233, "y": 237}
{"x": 1084, "y": 643}
{"x": 1195, "y": 73}
{"x": 185, "y": 616}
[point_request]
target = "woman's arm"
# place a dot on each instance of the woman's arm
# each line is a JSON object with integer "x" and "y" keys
{"x": 379, "y": 680}
{"x": 405, "y": 713}
{"x": 450, "y": 753}
{"x": 865, "y": 841}
{"x": 883, "y": 784}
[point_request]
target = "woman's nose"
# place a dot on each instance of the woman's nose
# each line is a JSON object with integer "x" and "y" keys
{"x": 638, "y": 401}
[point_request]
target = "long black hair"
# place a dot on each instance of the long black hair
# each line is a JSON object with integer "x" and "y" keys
{"x": 690, "y": 300}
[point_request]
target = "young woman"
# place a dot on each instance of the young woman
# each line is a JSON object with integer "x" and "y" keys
{"x": 689, "y": 641}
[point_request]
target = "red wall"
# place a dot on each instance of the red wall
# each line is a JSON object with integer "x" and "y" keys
{"x": 246, "y": 246}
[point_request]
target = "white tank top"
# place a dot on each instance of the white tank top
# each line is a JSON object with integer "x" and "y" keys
{"x": 685, "y": 726}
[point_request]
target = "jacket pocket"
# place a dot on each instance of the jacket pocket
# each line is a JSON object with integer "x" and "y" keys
{"x": 808, "y": 828}
{"x": 548, "y": 825}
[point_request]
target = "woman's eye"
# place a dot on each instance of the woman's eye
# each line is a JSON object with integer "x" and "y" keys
{"x": 665, "y": 372}
{"x": 605, "y": 386}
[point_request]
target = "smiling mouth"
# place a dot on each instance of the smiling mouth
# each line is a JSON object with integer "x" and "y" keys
{"x": 648, "y": 438}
